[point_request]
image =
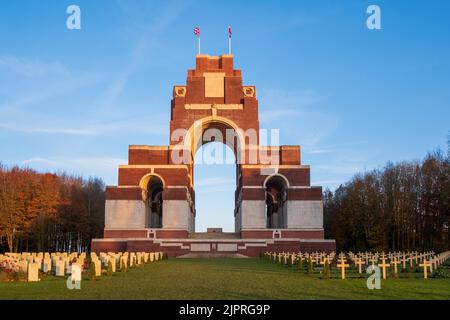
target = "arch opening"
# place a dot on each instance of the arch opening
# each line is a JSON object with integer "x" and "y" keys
{"x": 217, "y": 129}
{"x": 276, "y": 201}
{"x": 215, "y": 173}
{"x": 152, "y": 194}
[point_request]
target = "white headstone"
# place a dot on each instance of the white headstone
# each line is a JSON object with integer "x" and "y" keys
{"x": 33, "y": 272}
{"x": 59, "y": 269}
{"x": 47, "y": 267}
{"x": 98, "y": 267}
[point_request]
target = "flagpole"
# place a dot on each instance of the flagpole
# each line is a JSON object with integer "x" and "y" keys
{"x": 199, "y": 45}
{"x": 230, "y": 32}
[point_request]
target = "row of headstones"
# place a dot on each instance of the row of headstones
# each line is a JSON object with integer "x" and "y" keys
{"x": 31, "y": 263}
{"x": 123, "y": 260}
{"x": 60, "y": 263}
{"x": 295, "y": 258}
{"x": 300, "y": 258}
{"x": 427, "y": 260}
{"x": 412, "y": 257}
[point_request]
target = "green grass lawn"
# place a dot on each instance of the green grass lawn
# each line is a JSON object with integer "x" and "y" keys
{"x": 225, "y": 279}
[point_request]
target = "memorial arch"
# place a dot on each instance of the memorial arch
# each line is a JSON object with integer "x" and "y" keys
{"x": 154, "y": 201}
{"x": 214, "y": 180}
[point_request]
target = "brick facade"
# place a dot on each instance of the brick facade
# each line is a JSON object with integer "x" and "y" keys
{"x": 214, "y": 97}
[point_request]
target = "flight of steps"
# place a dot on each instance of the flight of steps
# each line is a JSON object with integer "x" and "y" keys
{"x": 214, "y": 233}
{"x": 212, "y": 255}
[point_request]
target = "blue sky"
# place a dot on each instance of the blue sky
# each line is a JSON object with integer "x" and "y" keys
{"x": 353, "y": 98}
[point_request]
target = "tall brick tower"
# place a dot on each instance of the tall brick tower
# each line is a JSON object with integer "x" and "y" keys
{"x": 153, "y": 206}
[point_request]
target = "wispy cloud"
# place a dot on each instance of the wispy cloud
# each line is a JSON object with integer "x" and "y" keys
{"x": 335, "y": 164}
{"x": 33, "y": 129}
{"x": 318, "y": 150}
{"x": 71, "y": 163}
{"x": 267, "y": 115}
{"x": 151, "y": 32}
{"x": 278, "y": 103}
{"x": 346, "y": 168}
{"x": 38, "y": 160}
{"x": 333, "y": 148}
{"x": 27, "y": 83}
{"x": 35, "y": 123}
{"x": 298, "y": 115}
{"x": 326, "y": 182}
{"x": 41, "y": 97}
{"x": 298, "y": 99}
{"x": 104, "y": 167}
{"x": 25, "y": 107}
{"x": 38, "y": 81}
{"x": 32, "y": 68}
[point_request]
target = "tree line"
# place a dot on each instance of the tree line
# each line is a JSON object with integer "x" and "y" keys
{"x": 49, "y": 212}
{"x": 403, "y": 206}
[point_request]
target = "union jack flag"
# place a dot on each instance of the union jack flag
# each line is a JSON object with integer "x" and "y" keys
{"x": 230, "y": 33}
{"x": 197, "y": 31}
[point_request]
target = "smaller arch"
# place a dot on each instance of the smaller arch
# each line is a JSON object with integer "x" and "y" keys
{"x": 152, "y": 186}
{"x": 145, "y": 180}
{"x": 276, "y": 186}
{"x": 273, "y": 175}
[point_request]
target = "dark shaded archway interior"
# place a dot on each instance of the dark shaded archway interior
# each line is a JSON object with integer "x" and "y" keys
{"x": 276, "y": 202}
{"x": 154, "y": 202}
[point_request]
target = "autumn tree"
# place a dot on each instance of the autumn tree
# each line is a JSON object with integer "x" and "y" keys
{"x": 46, "y": 212}
{"x": 404, "y": 206}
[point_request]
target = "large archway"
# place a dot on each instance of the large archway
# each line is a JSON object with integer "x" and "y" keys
{"x": 215, "y": 145}
{"x": 215, "y": 187}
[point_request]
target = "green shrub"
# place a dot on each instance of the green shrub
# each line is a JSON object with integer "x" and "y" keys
{"x": 440, "y": 274}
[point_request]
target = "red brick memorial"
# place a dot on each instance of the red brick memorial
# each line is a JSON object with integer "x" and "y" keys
{"x": 153, "y": 206}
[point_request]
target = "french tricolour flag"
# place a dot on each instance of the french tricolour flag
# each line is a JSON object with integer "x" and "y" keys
{"x": 197, "y": 31}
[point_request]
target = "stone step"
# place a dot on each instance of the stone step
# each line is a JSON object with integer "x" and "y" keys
{"x": 215, "y": 235}
{"x": 212, "y": 255}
